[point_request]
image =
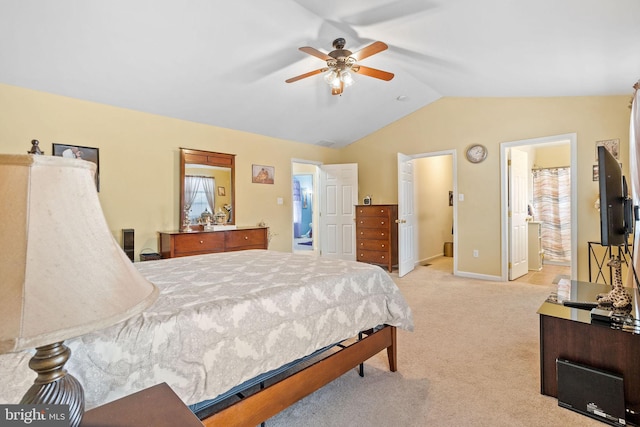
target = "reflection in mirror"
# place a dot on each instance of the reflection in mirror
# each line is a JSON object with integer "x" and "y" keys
{"x": 206, "y": 189}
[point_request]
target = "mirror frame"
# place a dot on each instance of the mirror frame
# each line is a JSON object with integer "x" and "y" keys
{"x": 209, "y": 158}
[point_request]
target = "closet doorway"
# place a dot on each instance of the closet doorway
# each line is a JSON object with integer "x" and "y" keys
{"x": 430, "y": 200}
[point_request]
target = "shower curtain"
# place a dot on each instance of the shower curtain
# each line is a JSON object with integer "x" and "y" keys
{"x": 552, "y": 206}
{"x": 297, "y": 208}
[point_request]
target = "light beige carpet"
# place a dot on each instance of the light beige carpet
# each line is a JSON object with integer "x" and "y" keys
{"x": 473, "y": 360}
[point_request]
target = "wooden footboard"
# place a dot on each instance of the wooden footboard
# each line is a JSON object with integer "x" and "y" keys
{"x": 267, "y": 402}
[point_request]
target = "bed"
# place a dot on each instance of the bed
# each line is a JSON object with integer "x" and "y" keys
{"x": 223, "y": 319}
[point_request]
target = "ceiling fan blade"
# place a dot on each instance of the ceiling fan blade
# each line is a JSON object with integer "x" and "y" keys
{"x": 372, "y": 49}
{"x": 305, "y": 75}
{"x": 315, "y": 52}
{"x": 372, "y": 72}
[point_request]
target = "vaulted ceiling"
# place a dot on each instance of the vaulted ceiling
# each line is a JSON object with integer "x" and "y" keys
{"x": 225, "y": 63}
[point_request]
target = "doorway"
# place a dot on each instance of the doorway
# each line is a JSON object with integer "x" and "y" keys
{"x": 554, "y": 153}
{"x": 305, "y": 206}
{"x": 430, "y": 199}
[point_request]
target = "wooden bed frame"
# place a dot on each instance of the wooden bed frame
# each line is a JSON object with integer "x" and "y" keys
{"x": 260, "y": 406}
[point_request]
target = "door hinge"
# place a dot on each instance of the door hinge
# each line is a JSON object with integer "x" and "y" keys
{"x": 509, "y": 265}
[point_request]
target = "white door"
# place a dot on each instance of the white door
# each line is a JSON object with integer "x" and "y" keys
{"x": 406, "y": 216}
{"x": 338, "y": 198}
{"x": 518, "y": 199}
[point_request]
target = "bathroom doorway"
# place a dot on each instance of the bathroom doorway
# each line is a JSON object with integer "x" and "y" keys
{"x": 305, "y": 206}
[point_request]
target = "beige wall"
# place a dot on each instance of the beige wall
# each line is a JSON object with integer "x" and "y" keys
{"x": 455, "y": 123}
{"x": 139, "y": 160}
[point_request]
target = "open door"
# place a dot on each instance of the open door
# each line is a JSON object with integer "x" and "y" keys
{"x": 518, "y": 199}
{"x": 406, "y": 216}
{"x": 339, "y": 196}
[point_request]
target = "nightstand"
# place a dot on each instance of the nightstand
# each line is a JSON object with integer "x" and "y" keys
{"x": 156, "y": 406}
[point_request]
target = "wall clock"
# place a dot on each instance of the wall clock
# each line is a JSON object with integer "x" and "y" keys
{"x": 476, "y": 153}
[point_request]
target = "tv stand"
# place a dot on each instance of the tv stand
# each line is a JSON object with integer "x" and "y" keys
{"x": 568, "y": 333}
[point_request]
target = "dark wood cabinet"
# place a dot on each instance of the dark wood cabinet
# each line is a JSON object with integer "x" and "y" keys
{"x": 569, "y": 333}
{"x": 377, "y": 234}
{"x": 176, "y": 244}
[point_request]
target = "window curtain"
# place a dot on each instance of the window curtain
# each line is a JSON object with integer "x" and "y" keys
{"x": 208, "y": 185}
{"x": 552, "y": 206}
{"x": 191, "y": 185}
{"x": 634, "y": 168}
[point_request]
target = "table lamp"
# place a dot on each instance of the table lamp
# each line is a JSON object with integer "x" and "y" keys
{"x": 62, "y": 274}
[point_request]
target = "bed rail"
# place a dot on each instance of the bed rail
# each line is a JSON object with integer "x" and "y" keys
{"x": 263, "y": 404}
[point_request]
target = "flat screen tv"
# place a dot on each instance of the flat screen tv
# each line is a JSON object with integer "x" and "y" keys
{"x": 616, "y": 211}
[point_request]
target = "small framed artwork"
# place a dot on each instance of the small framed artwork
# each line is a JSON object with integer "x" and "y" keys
{"x": 79, "y": 152}
{"x": 221, "y": 191}
{"x": 612, "y": 145}
{"x": 450, "y": 198}
{"x": 262, "y": 174}
{"x": 596, "y": 174}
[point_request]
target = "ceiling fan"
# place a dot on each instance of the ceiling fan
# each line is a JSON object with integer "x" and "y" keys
{"x": 341, "y": 62}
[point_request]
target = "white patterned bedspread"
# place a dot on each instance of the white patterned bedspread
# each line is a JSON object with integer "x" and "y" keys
{"x": 222, "y": 319}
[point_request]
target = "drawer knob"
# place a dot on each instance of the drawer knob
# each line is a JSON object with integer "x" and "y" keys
{"x": 246, "y": 237}
{"x": 382, "y": 222}
{"x": 383, "y": 246}
{"x": 201, "y": 242}
{"x": 382, "y": 257}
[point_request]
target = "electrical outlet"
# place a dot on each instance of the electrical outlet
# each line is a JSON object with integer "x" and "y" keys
{"x": 476, "y": 254}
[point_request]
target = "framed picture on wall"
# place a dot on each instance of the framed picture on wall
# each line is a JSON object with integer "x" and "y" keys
{"x": 261, "y": 174}
{"x": 221, "y": 191}
{"x": 79, "y": 152}
{"x": 596, "y": 174}
{"x": 612, "y": 145}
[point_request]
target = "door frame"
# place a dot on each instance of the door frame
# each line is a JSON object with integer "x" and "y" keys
{"x": 504, "y": 196}
{"x": 454, "y": 171}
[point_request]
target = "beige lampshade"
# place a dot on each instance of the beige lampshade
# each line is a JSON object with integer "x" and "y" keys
{"x": 62, "y": 273}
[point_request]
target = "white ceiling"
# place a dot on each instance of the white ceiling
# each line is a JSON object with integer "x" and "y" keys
{"x": 225, "y": 63}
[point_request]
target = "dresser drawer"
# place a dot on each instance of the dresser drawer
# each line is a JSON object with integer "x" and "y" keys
{"x": 373, "y": 210}
{"x": 375, "y": 257}
{"x": 373, "y": 245}
{"x": 372, "y": 233}
{"x": 246, "y": 239}
{"x": 372, "y": 222}
{"x": 190, "y": 244}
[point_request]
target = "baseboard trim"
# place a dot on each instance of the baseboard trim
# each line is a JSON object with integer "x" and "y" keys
{"x": 478, "y": 276}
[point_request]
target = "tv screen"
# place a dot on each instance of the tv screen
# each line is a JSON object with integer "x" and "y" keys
{"x": 612, "y": 200}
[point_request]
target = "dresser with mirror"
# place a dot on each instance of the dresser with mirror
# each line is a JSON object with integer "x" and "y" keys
{"x": 207, "y": 209}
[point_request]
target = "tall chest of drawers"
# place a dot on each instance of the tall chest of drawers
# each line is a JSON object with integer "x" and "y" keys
{"x": 377, "y": 234}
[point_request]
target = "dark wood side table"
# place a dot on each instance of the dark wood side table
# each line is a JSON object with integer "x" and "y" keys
{"x": 156, "y": 406}
{"x": 568, "y": 333}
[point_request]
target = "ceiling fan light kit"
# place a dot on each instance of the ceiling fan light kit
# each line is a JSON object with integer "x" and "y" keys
{"x": 341, "y": 63}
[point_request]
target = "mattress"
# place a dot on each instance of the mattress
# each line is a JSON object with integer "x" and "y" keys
{"x": 222, "y": 319}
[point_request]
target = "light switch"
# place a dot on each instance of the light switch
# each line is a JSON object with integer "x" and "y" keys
{"x": 280, "y": 201}
{"x": 461, "y": 197}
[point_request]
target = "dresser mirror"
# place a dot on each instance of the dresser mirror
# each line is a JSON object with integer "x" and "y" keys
{"x": 207, "y": 195}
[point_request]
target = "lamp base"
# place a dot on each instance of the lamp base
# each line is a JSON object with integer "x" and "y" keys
{"x": 54, "y": 385}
